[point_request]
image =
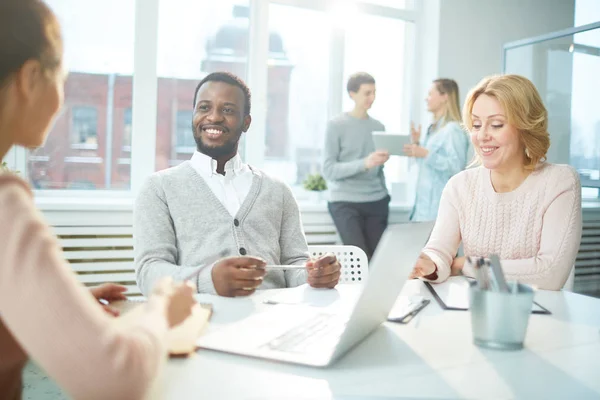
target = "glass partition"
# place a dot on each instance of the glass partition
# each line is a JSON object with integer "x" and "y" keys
{"x": 564, "y": 66}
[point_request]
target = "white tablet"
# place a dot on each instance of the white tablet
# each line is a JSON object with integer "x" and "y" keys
{"x": 393, "y": 143}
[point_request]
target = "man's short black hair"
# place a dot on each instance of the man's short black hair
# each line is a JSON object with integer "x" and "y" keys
{"x": 229, "y": 78}
{"x": 357, "y": 79}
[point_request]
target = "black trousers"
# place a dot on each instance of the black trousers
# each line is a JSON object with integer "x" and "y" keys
{"x": 361, "y": 224}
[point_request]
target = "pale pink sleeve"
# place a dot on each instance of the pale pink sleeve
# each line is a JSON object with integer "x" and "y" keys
{"x": 58, "y": 322}
{"x": 445, "y": 236}
{"x": 560, "y": 237}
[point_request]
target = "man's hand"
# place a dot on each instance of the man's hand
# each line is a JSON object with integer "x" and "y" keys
{"x": 423, "y": 267}
{"x": 376, "y": 158}
{"x": 238, "y": 276}
{"x": 109, "y": 292}
{"x": 324, "y": 272}
{"x": 414, "y": 150}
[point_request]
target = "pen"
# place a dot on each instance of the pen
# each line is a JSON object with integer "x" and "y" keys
{"x": 494, "y": 284}
{"x": 283, "y": 267}
{"x": 410, "y": 315}
{"x": 479, "y": 273}
{"x": 498, "y": 273}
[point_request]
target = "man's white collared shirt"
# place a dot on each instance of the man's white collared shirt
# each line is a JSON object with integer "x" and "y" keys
{"x": 232, "y": 188}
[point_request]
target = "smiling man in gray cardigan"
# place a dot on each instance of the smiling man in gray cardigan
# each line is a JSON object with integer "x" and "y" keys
{"x": 214, "y": 204}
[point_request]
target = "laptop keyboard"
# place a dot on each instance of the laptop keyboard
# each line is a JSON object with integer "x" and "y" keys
{"x": 320, "y": 331}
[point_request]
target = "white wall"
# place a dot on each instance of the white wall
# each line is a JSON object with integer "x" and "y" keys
{"x": 472, "y": 33}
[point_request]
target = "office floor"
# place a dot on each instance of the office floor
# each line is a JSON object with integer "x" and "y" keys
{"x": 37, "y": 385}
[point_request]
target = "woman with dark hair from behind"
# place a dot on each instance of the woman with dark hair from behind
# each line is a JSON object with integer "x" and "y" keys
{"x": 442, "y": 153}
{"x": 45, "y": 313}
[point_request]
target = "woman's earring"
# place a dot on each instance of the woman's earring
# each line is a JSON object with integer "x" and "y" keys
{"x": 527, "y": 153}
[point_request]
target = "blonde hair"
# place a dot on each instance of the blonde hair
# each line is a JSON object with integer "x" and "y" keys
{"x": 524, "y": 110}
{"x": 450, "y": 88}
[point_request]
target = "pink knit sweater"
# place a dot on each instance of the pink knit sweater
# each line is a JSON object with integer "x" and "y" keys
{"x": 535, "y": 229}
{"x": 47, "y": 314}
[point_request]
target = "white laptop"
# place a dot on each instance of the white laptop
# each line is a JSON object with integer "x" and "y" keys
{"x": 311, "y": 335}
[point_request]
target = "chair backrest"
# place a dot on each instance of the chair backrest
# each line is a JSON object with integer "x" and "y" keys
{"x": 353, "y": 260}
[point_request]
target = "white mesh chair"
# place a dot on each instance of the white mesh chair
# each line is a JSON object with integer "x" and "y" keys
{"x": 353, "y": 260}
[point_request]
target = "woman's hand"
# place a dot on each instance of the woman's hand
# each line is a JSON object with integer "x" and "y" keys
{"x": 179, "y": 297}
{"x": 108, "y": 292}
{"x": 457, "y": 266}
{"x": 415, "y": 134}
{"x": 423, "y": 267}
{"x": 414, "y": 150}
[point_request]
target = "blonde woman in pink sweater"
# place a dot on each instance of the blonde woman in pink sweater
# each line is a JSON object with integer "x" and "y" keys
{"x": 515, "y": 204}
{"x": 45, "y": 313}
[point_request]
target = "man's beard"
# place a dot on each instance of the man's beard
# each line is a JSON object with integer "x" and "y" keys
{"x": 216, "y": 152}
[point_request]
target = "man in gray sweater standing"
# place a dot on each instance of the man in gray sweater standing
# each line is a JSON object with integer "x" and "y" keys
{"x": 187, "y": 216}
{"x": 359, "y": 200}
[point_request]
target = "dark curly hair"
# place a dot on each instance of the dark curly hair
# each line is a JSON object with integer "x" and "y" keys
{"x": 229, "y": 78}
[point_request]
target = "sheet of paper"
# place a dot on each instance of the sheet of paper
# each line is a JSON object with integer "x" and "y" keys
{"x": 454, "y": 292}
{"x": 305, "y": 295}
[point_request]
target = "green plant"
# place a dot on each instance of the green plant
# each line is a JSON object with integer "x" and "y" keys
{"x": 4, "y": 168}
{"x": 315, "y": 182}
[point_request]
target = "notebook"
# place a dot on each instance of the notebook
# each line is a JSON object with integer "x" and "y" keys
{"x": 181, "y": 339}
{"x": 453, "y": 294}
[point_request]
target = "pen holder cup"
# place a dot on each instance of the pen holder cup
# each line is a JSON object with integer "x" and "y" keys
{"x": 499, "y": 319}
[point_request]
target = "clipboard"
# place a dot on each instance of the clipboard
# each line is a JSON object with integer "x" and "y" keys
{"x": 537, "y": 308}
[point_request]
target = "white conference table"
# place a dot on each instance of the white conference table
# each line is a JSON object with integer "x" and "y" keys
{"x": 430, "y": 357}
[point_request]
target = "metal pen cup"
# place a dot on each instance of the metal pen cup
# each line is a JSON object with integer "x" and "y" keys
{"x": 499, "y": 319}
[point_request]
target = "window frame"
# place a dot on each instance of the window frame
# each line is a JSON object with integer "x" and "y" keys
{"x": 145, "y": 86}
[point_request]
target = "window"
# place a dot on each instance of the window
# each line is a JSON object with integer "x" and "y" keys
{"x": 363, "y": 52}
{"x": 218, "y": 41}
{"x": 83, "y": 150}
{"x": 127, "y": 131}
{"x": 296, "y": 75}
{"x": 585, "y": 142}
{"x": 84, "y": 128}
{"x": 298, "y": 87}
{"x": 564, "y": 70}
{"x": 586, "y": 12}
{"x": 185, "y": 137}
{"x": 393, "y": 3}
{"x": 585, "y": 120}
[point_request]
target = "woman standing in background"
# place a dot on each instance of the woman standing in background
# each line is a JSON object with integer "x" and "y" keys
{"x": 443, "y": 152}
